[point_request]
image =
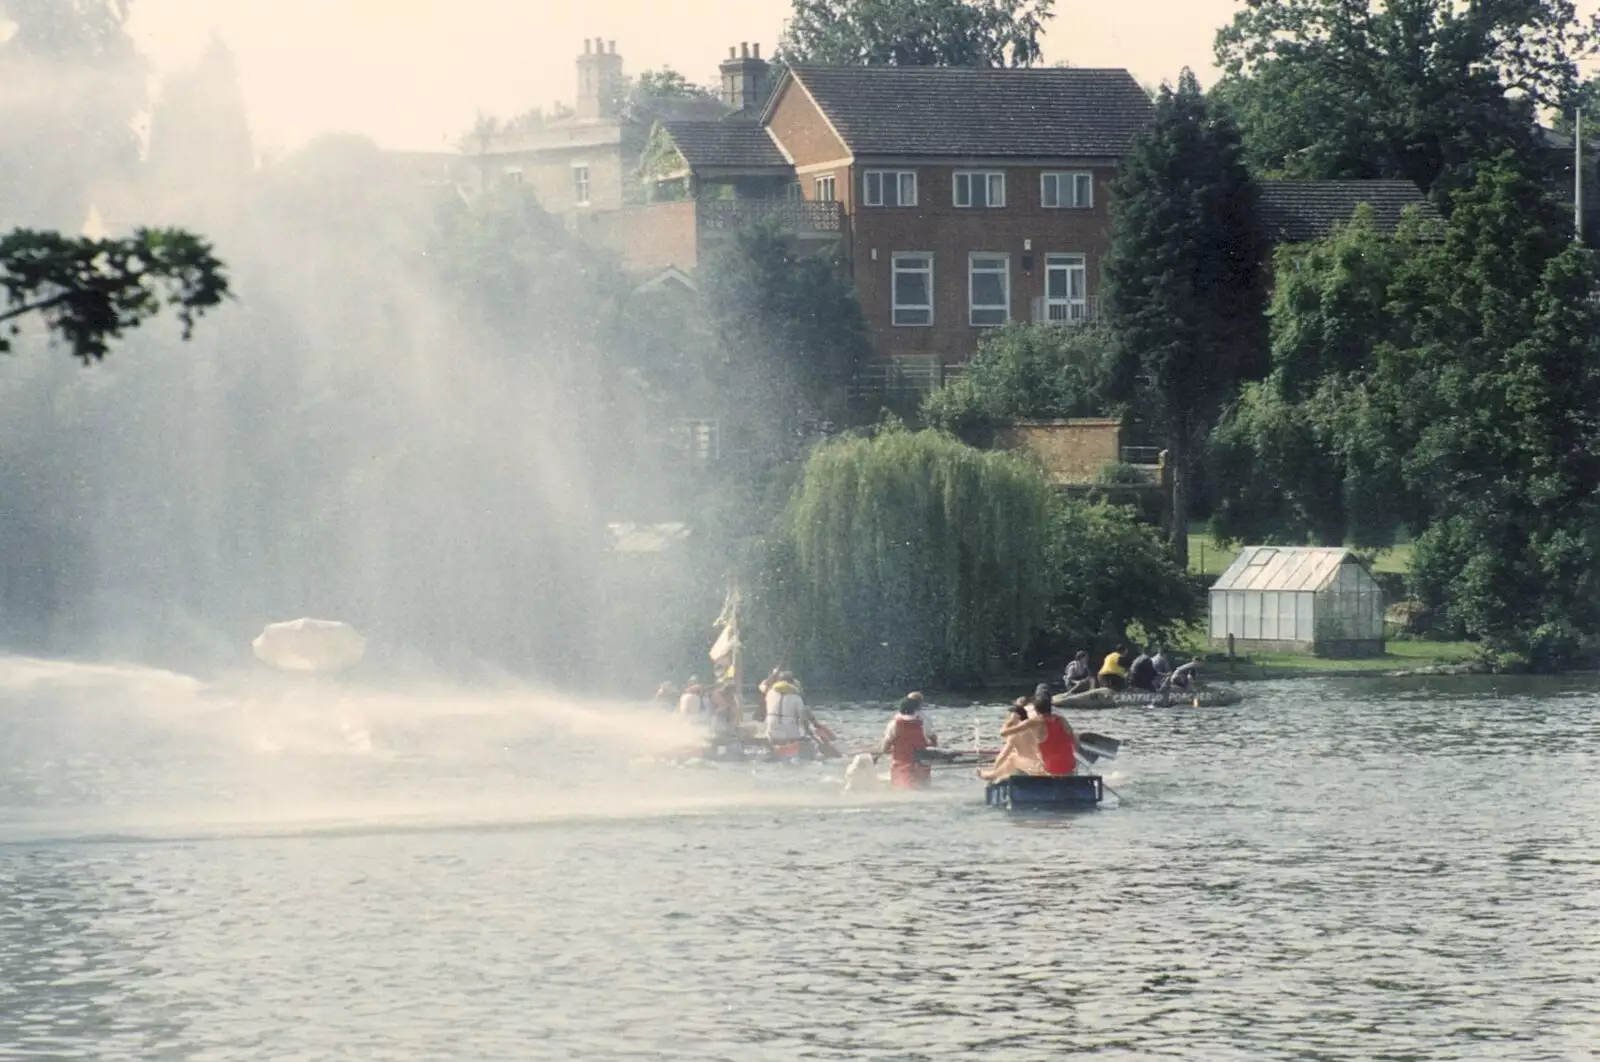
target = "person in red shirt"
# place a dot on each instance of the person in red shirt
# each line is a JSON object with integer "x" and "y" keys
{"x": 907, "y": 734}
{"x": 1057, "y": 744}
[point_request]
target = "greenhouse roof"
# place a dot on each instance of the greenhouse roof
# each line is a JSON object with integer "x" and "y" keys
{"x": 1288, "y": 568}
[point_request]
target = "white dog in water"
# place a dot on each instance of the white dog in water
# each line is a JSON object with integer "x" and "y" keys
{"x": 862, "y": 774}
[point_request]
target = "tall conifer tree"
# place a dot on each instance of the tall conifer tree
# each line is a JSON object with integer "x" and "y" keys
{"x": 1186, "y": 277}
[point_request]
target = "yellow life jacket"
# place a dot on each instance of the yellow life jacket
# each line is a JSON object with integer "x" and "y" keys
{"x": 1113, "y": 665}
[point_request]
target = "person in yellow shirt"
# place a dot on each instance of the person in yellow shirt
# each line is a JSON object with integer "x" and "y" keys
{"x": 1113, "y": 672}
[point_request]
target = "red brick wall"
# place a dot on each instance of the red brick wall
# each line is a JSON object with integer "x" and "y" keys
{"x": 951, "y": 234}
{"x": 649, "y": 238}
{"x": 803, "y": 131}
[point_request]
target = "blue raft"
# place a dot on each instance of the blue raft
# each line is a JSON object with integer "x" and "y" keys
{"x": 1023, "y": 792}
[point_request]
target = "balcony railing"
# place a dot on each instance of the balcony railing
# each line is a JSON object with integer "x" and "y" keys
{"x": 801, "y": 217}
{"x": 1065, "y": 311}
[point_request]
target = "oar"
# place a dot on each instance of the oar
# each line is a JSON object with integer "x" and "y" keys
{"x": 1097, "y": 746}
{"x": 825, "y": 744}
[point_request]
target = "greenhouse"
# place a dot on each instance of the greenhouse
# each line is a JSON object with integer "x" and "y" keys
{"x": 1276, "y": 598}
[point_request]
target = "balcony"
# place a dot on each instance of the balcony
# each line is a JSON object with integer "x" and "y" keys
{"x": 814, "y": 220}
{"x": 1065, "y": 312}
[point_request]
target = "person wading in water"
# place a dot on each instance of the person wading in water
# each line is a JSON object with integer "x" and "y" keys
{"x": 908, "y": 733}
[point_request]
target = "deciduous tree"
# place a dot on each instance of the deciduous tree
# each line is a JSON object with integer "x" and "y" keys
{"x": 916, "y": 32}
{"x": 89, "y": 291}
{"x": 1413, "y": 89}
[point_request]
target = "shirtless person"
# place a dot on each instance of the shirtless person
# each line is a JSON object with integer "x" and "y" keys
{"x": 1020, "y": 753}
{"x": 1057, "y": 746}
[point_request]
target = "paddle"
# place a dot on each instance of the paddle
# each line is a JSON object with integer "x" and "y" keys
{"x": 825, "y": 741}
{"x": 1097, "y": 746}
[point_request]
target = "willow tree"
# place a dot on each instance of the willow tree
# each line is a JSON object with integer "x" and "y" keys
{"x": 915, "y": 558}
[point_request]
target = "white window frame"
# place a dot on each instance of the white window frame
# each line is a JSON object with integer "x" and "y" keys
{"x": 1078, "y": 185}
{"x": 828, "y": 183}
{"x": 901, "y": 262}
{"x": 904, "y": 182}
{"x": 580, "y": 183}
{"x": 1068, "y": 308}
{"x": 994, "y": 181}
{"x": 989, "y": 269}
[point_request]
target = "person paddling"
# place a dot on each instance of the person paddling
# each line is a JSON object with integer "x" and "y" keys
{"x": 908, "y": 733}
{"x": 1058, "y": 755}
{"x": 694, "y": 704}
{"x": 1020, "y": 753}
{"x": 1113, "y": 672}
{"x": 788, "y": 721}
{"x": 1076, "y": 677}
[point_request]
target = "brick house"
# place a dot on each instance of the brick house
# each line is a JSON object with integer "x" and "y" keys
{"x": 972, "y": 197}
{"x": 961, "y": 199}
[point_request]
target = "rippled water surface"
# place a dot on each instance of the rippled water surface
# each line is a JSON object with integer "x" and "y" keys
{"x": 1331, "y": 870}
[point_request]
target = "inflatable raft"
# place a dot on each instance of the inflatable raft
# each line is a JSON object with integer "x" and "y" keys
{"x": 1023, "y": 792}
{"x": 1210, "y": 697}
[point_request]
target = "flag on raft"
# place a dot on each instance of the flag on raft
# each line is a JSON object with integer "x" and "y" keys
{"x": 724, "y": 652}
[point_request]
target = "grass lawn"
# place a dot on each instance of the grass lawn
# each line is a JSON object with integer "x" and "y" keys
{"x": 1211, "y": 559}
{"x": 1401, "y": 655}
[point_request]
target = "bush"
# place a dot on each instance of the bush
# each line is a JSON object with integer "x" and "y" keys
{"x": 1120, "y": 473}
{"x": 1026, "y": 372}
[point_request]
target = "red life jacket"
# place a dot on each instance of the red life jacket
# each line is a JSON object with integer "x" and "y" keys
{"x": 1056, "y": 749}
{"x": 904, "y": 770}
{"x": 908, "y": 738}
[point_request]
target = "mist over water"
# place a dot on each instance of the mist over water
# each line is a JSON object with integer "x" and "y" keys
{"x": 358, "y": 436}
{"x": 96, "y": 751}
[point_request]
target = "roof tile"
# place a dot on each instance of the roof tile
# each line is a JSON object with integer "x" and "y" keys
{"x": 1300, "y": 211}
{"x": 1039, "y": 112}
{"x": 736, "y": 141}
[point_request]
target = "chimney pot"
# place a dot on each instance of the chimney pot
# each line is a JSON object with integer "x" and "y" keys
{"x": 613, "y": 48}
{"x": 755, "y": 49}
{"x": 586, "y": 45}
{"x": 733, "y": 53}
{"x": 744, "y": 50}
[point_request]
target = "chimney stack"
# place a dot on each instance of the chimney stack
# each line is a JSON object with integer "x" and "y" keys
{"x": 599, "y": 80}
{"x": 744, "y": 78}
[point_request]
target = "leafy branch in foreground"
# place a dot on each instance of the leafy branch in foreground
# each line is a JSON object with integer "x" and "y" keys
{"x": 90, "y": 291}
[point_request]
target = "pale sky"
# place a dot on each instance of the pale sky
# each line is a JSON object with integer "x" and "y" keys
{"x": 414, "y": 73}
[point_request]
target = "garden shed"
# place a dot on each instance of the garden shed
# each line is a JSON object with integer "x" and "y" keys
{"x": 1298, "y": 599}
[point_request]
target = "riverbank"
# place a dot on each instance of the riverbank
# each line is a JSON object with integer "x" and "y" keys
{"x": 1410, "y": 657}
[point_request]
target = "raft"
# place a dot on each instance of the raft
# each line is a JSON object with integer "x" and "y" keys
{"x": 1024, "y": 792}
{"x": 1210, "y": 697}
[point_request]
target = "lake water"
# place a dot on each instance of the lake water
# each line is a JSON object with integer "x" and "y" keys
{"x": 1334, "y": 869}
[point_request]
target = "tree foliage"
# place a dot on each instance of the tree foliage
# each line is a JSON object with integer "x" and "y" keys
{"x": 1413, "y": 89}
{"x": 1447, "y": 385}
{"x": 916, "y": 32}
{"x": 89, "y": 291}
{"x": 1027, "y": 371}
{"x": 910, "y": 558}
{"x": 1186, "y": 275}
{"x": 788, "y": 322}
{"x": 71, "y": 85}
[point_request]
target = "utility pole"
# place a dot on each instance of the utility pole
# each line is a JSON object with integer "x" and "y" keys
{"x": 1577, "y": 175}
